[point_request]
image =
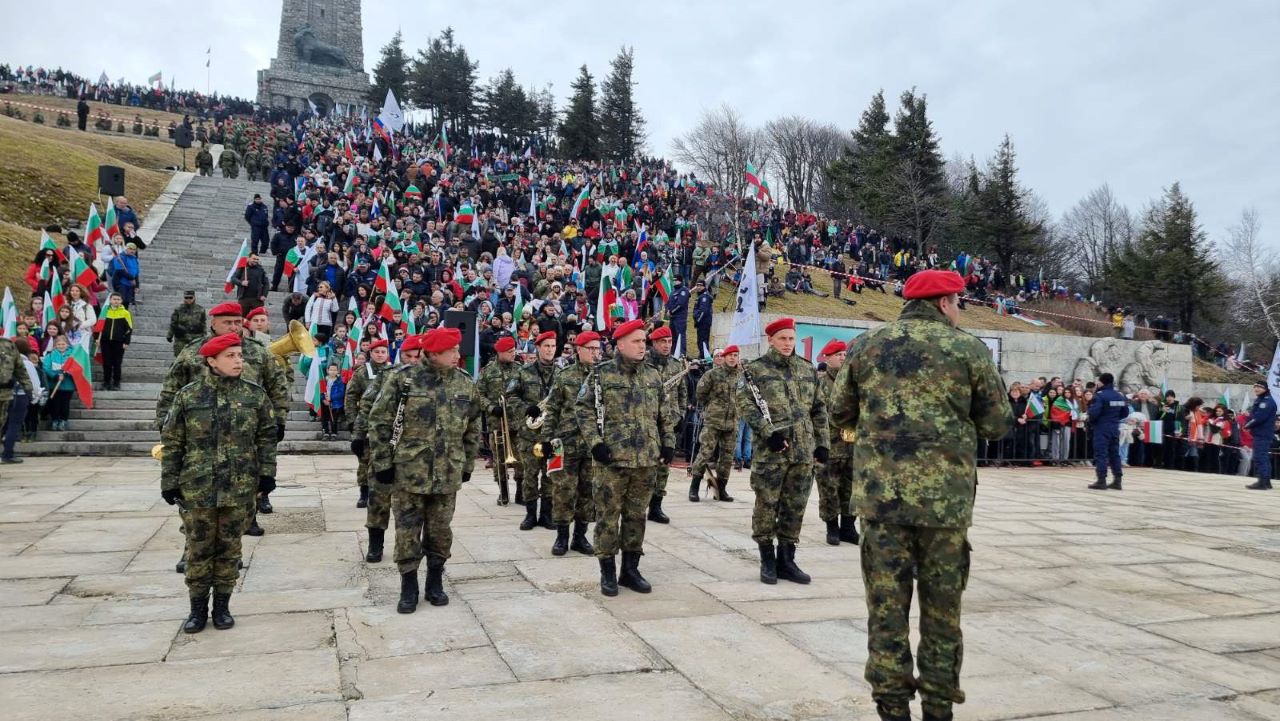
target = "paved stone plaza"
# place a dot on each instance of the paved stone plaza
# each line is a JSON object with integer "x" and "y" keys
{"x": 1158, "y": 602}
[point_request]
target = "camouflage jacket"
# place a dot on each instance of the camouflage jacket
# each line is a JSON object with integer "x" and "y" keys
{"x": 219, "y": 436}
{"x": 678, "y": 394}
{"x": 186, "y": 323}
{"x": 839, "y": 448}
{"x": 260, "y": 368}
{"x": 717, "y": 395}
{"x": 11, "y": 365}
{"x": 441, "y": 428}
{"x": 493, "y": 382}
{"x": 636, "y": 422}
{"x": 204, "y": 159}
{"x": 561, "y": 420}
{"x": 530, "y": 385}
{"x": 363, "y": 380}
{"x": 789, "y": 387}
{"x": 228, "y": 159}
{"x": 919, "y": 392}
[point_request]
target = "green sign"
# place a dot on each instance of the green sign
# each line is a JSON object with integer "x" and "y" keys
{"x": 811, "y": 337}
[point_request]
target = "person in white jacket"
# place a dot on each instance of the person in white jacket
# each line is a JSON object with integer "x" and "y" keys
{"x": 321, "y": 308}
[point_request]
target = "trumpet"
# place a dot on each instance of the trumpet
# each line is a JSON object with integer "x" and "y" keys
{"x": 689, "y": 365}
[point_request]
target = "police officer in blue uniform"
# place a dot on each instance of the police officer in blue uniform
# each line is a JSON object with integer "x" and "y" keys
{"x": 1108, "y": 409}
{"x": 1262, "y": 424}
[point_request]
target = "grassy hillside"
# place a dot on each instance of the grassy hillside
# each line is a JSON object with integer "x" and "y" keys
{"x": 68, "y": 105}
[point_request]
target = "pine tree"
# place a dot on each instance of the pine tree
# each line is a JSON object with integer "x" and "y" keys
{"x": 391, "y": 72}
{"x": 1004, "y": 221}
{"x": 859, "y": 178}
{"x": 443, "y": 80}
{"x": 917, "y": 190}
{"x": 507, "y": 107}
{"x": 621, "y": 125}
{"x": 580, "y": 131}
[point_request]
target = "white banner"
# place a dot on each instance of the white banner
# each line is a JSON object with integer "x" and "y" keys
{"x": 746, "y": 314}
{"x": 1273, "y": 375}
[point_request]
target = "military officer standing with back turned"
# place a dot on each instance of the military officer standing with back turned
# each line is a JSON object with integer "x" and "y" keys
{"x": 717, "y": 395}
{"x": 919, "y": 393}
{"x": 525, "y": 394}
{"x": 424, "y": 434}
{"x": 779, "y": 397}
{"x": 660, "y": 359}
{"x": 835, "y": 480}
{"x": 571, "y": 499}
{"x": 623, "y": 419}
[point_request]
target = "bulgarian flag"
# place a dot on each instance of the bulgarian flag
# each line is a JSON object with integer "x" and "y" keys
{"x": 93, "y": 227}
{"x": 109, "y": 226}
{"x": 346, "y": 369}
{"x": 580, "y": 202}
{"x": 764, "y": 191}
{"x": 349, "y": 187}
{"x": 9, "y": 312}
{"x": 55, "y": 290}
{"x": 752, "y": 176}
{"x": 1035, "y": 406}
{"x": 79, "y": 366}
{"x": 81, "y": 272}
{"x": 465, "y": 215}
{"x": 623, "y": 279}
{"x": 382, "y": 283}
{"x": 444, "y": 141}
{"x": 518, "y": 311}
{"x": 292, "y": 260}
{"x": 605, "y": 299}
{"x": 242, "y": 260}
{"x": 313, "y": 392}
{"x": 1153, "y": 432}
{"x": 663, "y": 285}
{"x": 46, "y": 243}
{"x": 390, "y": 301}
{"x": 555, "y": 462}
{"x": 50, "y": 310}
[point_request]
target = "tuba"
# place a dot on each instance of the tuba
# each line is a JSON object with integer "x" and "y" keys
{"x": 295, "y": 340}
{"x": 157, "y": 451}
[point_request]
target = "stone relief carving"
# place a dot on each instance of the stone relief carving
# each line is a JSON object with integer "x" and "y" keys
{"x": 1147, "y": 367}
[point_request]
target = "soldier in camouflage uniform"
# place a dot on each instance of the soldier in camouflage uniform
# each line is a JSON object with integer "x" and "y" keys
{"x": 624, "y": 420}
{"x": 361, "y": 380}
{"x": 919, "y": 393}
{"x": 795, "y": 436}
{"x": 377, "y": 500}
{"x": 428, "y": 456}
{"x": 252, "y": 161}
{"x": 660, "y": 359}
{"x": 12, "y": 370}
{"x": 530, "y": 387}
{"x": 204, "y": 160}
{"x": 260, "y": 368}
{"x": 229, "y": 162}
{"x": 717, "y": 396}
{"x": 835, "y": 480}
{"x": 493, "y": 382}
{"x": 219, "y": 450}
{"x": 186, "y": 323}
{"x": 572, "y": 500}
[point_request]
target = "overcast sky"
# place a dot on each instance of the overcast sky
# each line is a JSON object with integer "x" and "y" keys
{"x": 1136, "y": 93}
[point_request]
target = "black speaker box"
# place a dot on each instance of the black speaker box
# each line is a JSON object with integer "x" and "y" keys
{"x": 182, "y": 137}
{"x": 110, "y": 180}
{"x": 465, "y": 321}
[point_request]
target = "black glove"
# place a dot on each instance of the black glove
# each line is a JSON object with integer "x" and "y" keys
{"x": 279, "y": 431}
{"x": 777, "y": 442}
{"x": 266, "y": 484}
{"x": 821, "y": 454}
{"x": 385, "y": 476}
{"x": 666, "y": 454}
{"x": 172, "y": 496}
{"x": 357, "y": 446}
{"x": 601, "y": 453}
{"x": 548, "y": 449}
{"x": 532, "y": 412}
{"x": 466, "y": 477}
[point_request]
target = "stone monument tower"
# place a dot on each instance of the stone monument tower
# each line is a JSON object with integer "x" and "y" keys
{"x": 319, "y": 57}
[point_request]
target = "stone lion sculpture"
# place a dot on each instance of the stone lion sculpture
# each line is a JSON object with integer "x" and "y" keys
{"x": 317, "y": 52}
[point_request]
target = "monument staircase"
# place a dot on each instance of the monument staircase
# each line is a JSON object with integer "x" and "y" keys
{"x": 193, "y": 249}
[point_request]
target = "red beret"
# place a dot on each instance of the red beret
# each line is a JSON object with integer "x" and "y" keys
{"x": 413, "y": 342}
{"x": 545, "y": 335}
{"x": 439, "y": 340}
{"x": 779, "y": 324}
{"x": 219, "y": 343}
{"x": 833, "y": 347}
{"x": 932, "y": 283}
{"x": 227, "y": 308}
{"x": 586, "y": 337}
{"x": 628, "y": 328}
{"x": 504, "y": 344}
{"x": 260, "y": 310}
{"x": 731, "y": 349}
{"x": 380, "y": 343}
{"x": 660, "y": 333}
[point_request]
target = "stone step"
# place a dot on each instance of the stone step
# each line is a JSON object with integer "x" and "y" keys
{"x": 83, "y": 415}
{"x": 305, "y": 432}
{"x": 85, "y": 448}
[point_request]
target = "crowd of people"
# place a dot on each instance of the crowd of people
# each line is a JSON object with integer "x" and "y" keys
{"x": 154, "y": 96}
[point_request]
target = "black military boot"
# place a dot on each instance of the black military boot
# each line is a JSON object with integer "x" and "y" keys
{"x": 787, "y": 568}
{"x": 630, "y": 576}
{"x": 222, "y": 619}
{"x": 408, "y": 593}
{"x": 519, "y": 492}
{"x": 530, "y": 516}
{"x": 199, "y": 615}
{"x": 1099, "y": 485}
{"x": 833, "y": 532}
{"x": 937, "y": 714}
{"x": 544, "y": 516}
{"x": 608, "y": 576}
{"x": 376, "y": 537}
{"x": 1115, "y": 484}
{"x": 561, "y": 546}
{"x": 264, "y": 504}
{"x": 768, "y": 564}
{"x": 722, "y": 488}
{"x": 695, "y": 487}
{"x": 849, "y": 529}
{"x": 254, "y": 529}
{"x": 580, "y": 542}
{"x": 893, "y": 713}
{"x": 363, "y": 502}
{"x": 435, "y": 594}
{"x": 1259, "y": 485}
{"x": 181, "y": 566}
{"x": 655, "y": 510}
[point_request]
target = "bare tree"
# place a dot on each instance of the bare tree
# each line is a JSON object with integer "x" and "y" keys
{"x": 1095, "y": 228}
{"x": 1255, "y": 271}
{"x": 719, "y": 148}
{"x": 802, "y": 150}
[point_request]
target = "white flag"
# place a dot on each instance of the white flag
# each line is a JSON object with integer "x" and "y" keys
{"x": 1273, "y": 375}
{"x": 377, "y": 154}
{"x": 391, "y": 116}
{"x": 746, "y": 314}
{"x": 9, "y": 311}
{"x": 314, "y": 110}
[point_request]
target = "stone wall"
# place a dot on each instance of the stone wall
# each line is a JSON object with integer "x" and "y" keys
{"x": 290, "y": 81}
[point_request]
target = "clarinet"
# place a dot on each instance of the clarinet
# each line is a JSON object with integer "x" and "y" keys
{"x": 595, "y": 381}
{"x": 756, "y": 397}
{"x": 397, "y": 424}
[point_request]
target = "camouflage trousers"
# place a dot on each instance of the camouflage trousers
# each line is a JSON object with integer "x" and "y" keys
{"x": 534, "y": 483}
{"x": 782, "y": 492}
{"x": 362, "y": 470}
{"x": 937, "y": 560}
{"x": 622, "y": 500}
{"x": 715, "y": 448}
{"x": 571, "y": 497}
{"x": 835, "y": 489}
{"x": 658, "y": 483}
{"x": 422, "y": 527}
{"x": 213, "y": 547}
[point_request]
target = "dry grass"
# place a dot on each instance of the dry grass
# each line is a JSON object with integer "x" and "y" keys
{"x": 1204, "y": 372}
{"x": 68, "y": 105}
